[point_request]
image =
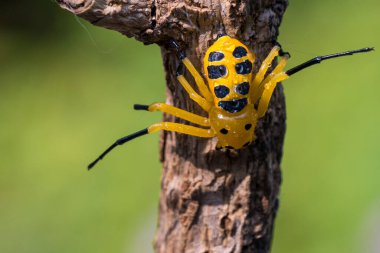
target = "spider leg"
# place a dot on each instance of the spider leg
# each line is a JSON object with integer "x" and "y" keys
{"x": 198, "y": 79}
{"x": 191, "y": 117}
{"x": 168, "y": 126}
{"x": 263, "y": 69}
{"x": 269, "y": 84}
{"x": 193, "y": 71}
{"x": 278, "y": 70}
{"x": 183, "y": 129}
{"x": 206, "y": 105}
{"x": 269, "y": 87}
{"x": 118, "y": 142}
{"x": 319, "y": 59}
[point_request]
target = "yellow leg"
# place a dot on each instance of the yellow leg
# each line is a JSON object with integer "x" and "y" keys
{"x": 268, "y": 91}
{"x": 183, "y": 129}
{"x": 263, "y": 69}
{"x": 279, "y": 69}
{"x": 193, "y": 95}
{"x": 198, "y": 80}
{"x": 191, "y": 117}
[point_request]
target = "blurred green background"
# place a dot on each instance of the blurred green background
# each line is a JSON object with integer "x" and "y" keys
{"x": 67, "y": 91}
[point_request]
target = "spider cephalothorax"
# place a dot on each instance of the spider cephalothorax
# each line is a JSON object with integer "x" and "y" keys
{"x": 235, "y": 98}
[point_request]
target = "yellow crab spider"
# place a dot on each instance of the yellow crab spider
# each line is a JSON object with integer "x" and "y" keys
{"x": 235, "y": 98}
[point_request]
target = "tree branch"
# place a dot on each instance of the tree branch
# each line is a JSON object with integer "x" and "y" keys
{"x": 210, "y": 201}
{"x": 134, "y": 18}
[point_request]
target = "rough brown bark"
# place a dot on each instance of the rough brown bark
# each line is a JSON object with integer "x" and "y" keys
{"x": 210, "y": 201}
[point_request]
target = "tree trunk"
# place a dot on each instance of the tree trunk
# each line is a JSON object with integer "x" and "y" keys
{"x": 210, "y": 201}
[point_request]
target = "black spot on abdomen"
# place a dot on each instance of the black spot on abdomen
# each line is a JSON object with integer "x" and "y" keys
{"x": 239, "y": 52}
{"x": 244, "y": 67}
{"x": 215, "y": 72}
{"x": 242, "y": 88}
{"x": 233, "y": 106}
{"x": 221, "y": 91}
{"x": 215, "y": 56}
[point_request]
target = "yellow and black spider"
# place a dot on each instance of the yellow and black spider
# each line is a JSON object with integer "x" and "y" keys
{"x": 235, "y": 98}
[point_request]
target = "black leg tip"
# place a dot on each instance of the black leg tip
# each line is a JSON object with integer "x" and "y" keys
{"x": 141, "y": 107}
{"x": 91, "y": 165}
{"x": 174, "y": 44}
{"x": 180, "y": 70}
{"x": 281, "y": 53}
{"x": 369, "y": 49}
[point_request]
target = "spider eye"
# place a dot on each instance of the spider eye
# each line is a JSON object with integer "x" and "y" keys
{"x": 214, "y": 72}
{"x": 215, "y": 56}
{"x": 243, "y": 88}
{"x": 244, "y": 67}
{"x": 221, "y": 91}
{"x": 239, "y": 52}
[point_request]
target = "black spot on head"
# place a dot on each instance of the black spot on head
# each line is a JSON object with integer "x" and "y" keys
{"x": 223, "y": 131}
{"x": 242, "y": 88}
{"x": 215, "y": 72}
{"x": 215, "y": 56}
{"x": 244, "y": 67}
{"x": 221, "y": 91}
{"x": 248, "y": 126}
{"x": 239, "y": 52}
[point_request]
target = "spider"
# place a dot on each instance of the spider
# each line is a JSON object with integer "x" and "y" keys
{"x": 235, "y": 98}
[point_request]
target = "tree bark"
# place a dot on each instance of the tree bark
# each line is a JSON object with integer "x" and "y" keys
{"x": 210, "y": 201}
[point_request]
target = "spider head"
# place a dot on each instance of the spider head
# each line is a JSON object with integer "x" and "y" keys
{"x": 228, "y": 67}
